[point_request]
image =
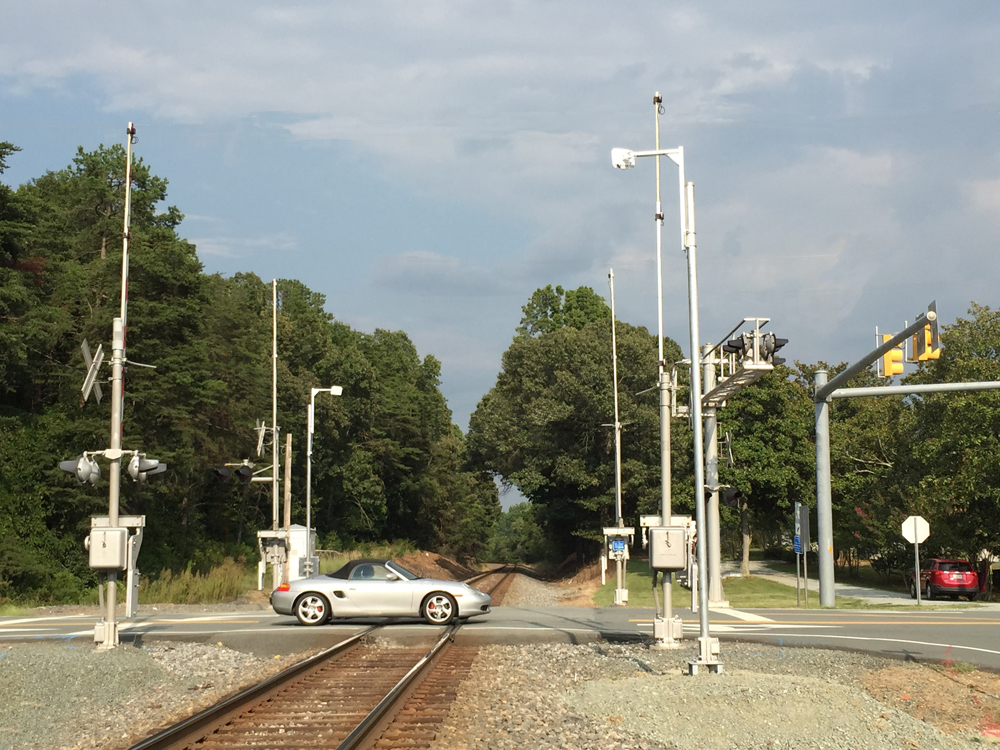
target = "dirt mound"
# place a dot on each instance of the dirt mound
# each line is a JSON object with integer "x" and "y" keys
{"x": 432, "y": 565}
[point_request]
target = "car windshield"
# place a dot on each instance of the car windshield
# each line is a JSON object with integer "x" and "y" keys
{"x": 403, "y": 571}
{"x": 957, "y": 567}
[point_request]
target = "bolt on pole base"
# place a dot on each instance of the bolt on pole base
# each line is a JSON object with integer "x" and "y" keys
{"x": 667, "y": 634}
{"x": 708, "y": 656}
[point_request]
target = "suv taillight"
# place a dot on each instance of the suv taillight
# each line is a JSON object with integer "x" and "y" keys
{"x": 284, "y": 587}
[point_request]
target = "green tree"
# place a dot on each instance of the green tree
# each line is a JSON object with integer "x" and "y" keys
{"x": 517, "y": 536}
{"x": 771, "y": 423}
{"x": 550, "y": 309}
{"x": 949, "y": 473}
{"x": 543, "y": 426}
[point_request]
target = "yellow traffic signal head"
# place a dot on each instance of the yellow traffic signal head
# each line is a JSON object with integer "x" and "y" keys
{"x": 927, "y": 343}
{"x": 892, "y": 360}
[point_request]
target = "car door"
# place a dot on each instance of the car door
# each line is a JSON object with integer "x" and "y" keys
{"x": 925, "y": 573}
{"x": 376, "y": 592}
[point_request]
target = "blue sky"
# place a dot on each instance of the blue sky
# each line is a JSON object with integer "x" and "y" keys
{"x": 426, "y": 166}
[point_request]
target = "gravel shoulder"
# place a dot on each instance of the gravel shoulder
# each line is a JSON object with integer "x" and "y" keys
{"x": 68, "y": 696}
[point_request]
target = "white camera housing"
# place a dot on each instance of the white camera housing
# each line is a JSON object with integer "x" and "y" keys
{"x": 623, "y": 158}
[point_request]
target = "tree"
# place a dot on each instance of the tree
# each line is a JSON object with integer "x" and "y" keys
{"x": 771, "y": 426}
{"x": 543, "y": 426}
{"x": 550, "y": 309}
{"x": 949, "y": 473}
{"x": 387, "y": 460}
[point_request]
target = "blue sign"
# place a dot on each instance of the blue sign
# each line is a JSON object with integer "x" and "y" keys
{"x": 798, "y": 545}
{"x": 617, "y": 545}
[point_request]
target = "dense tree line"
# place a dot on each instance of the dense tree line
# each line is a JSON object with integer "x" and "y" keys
{"x": 542, "y": 428}
{"x": 387, "y": 463}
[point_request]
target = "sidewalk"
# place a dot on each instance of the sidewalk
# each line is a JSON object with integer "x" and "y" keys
{"x": 762, "y": 569}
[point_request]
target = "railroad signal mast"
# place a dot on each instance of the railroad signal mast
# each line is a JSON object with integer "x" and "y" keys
{"x": 110, "y": 545}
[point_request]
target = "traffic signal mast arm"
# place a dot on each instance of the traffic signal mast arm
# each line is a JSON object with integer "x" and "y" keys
{"x": 824, "y": 393}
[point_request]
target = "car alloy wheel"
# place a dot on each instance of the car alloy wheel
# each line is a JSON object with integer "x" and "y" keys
{"x": 913, "y": 590}
{"x": 439, "y": 609}
{"x": 312, "y": 609}
{"x": 927, "y": 592}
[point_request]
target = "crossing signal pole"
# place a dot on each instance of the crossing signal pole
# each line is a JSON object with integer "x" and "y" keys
{"x": 116, "y": 550}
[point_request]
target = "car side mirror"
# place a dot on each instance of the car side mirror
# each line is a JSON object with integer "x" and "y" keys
{"x": 391, "y": 577}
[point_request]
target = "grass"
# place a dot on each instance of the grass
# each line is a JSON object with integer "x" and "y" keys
{"x": 866, "y": 575}
{"x": 12, "y": 610}
{"x": 223, "y": 583}
{"x": 742, "y": 593}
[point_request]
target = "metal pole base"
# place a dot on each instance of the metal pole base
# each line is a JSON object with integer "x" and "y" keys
{"x": 708, "y": 656}
{"x": 621, "y": 597}
{"x": 667, "y": 634}
{"x": 718, "y": 604}
{"x": 106, "y": 635}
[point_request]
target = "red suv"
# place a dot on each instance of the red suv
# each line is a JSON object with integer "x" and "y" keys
{"x": 951, "y": 577}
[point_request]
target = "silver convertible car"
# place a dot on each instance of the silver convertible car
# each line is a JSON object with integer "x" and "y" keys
{"x": 377, "y": 588}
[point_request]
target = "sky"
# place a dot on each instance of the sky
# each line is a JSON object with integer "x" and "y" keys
{"x": 426, "y": 166}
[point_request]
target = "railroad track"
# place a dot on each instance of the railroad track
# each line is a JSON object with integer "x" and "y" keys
{"x": 353, "y": 695}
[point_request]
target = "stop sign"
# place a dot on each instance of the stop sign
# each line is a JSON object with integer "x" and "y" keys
{"x": 916, "y": 529}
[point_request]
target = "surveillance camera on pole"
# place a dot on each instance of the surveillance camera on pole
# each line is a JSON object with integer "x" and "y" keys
{"x": 623, "y": 158}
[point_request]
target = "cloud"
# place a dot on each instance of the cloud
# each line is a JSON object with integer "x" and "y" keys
{"x": 430, "y": 274}
{"x": 836, "y": 148}
{"x": 984, "y": 195}
{"x": 243, "y": 247}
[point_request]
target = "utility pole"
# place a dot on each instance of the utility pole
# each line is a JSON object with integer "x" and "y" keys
{"x": 109, "y": 637}
{"x": 288, "y": 507}
{"x": 276, "y": 570}
{"x": 274, "y": 406}
{"x": 621, "y": 593}
{"x": 716, "y": 596}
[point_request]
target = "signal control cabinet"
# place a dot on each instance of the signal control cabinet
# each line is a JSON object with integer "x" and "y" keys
{"x": 668, "y": 548}
{"x": 107, "y": 547}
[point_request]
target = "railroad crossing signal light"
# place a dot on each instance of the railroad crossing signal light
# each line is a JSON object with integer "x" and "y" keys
{"x": 742, "y": 345}
{"x": 141, "y": 467}
{"x": 222, "y": 473}
{"x": 769, "y": 344}
{"x": 85, "y": 469}
{"x": 732, "y": 497}
{"x": 244, "y": 473}
{"x": 892, "y": 360}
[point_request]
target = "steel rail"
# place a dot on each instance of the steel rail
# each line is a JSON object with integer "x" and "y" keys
{"x": 381, "y": 716}
{"x": 505, "y": 568}
{"x": 372, "y": 726}
{"x": 176, "y": 733}
{"x": 388, "y": 703}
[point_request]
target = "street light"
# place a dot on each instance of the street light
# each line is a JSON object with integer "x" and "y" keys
{"x": 625, "y": 159}
{"x": 335, "y": 390}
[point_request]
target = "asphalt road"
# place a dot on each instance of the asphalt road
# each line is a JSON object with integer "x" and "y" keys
{"x": 969, "y": 635}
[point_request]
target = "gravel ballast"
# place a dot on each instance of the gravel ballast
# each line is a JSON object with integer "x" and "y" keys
{"x": 66, "y": 695}
{"x": 70, "y": 695}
